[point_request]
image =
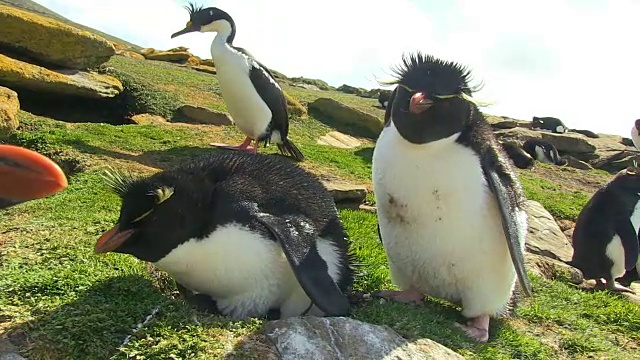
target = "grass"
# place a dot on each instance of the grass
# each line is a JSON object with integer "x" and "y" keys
{"x": 61, "y": 301}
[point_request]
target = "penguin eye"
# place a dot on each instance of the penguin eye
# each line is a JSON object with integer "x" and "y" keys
{"x": 141, "y": 216}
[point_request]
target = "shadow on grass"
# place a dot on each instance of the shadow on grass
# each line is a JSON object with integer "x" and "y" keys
{"x": 94, "y": 324}
{"x": 365, "y": 154}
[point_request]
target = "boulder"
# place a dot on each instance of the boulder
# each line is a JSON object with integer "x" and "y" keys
{"x": 347, "y": 115}
{"x": 312, "y": 337}
{"x": 503, "y": 122}
{"x": 147, "y": 51}
{"x": 552, "y": 269}
{"x": 577, "y": 164}
{"x": 52, "y": 42}
{"x": 294, "y": 107}
{"x": 348, "y": 89}
{"x": 345, "y": 192}
{"x": 193, "y": 61}
{"x": 339, "y": 140}
{"x": 207, "y": 62}
{"x": 570, "y": 143}
{"x": 179, "y": 49}
{"x": 130, "y": 54}
{"x": 9, "y": 106}
{"x": 544, "y": 235}
{"x": 200, "y": 115}
{"x": 203, "y": 68}
{"x": 19, "y": 74}
{"x": 168, "y": 56}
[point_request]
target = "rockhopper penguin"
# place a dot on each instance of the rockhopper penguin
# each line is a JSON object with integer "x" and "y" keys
{"x": 450, "y": 207}
{"x": 549, "y": 124}
{"x": 27, "y": 175}
{"x": 605, "y": 238}
{"x": 252, "y": 94}
{"x": 543, "y": 151}
{"x": 251, "y": 232}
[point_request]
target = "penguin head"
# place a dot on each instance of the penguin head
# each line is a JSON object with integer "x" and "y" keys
{"x": 157, "y": 214}
{"x": 628, "y": 178}
{"x": 637, "y": 125}
{"x": 211, "y": 19}
{"x": 432, "y": 100}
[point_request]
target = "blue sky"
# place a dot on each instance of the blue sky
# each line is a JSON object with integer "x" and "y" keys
{"x": 573, "y": 59}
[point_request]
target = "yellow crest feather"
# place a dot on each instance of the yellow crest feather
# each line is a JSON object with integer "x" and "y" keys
{"x": 162, "y": 194}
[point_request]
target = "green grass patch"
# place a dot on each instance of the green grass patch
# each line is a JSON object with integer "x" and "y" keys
{"x": 560, "y": 203}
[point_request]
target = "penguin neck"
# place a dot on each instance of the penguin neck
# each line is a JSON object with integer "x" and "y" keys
{"x": 225, "y": 35}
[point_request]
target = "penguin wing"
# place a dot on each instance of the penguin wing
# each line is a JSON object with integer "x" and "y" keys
{"x": 299, "y": 244}
{"x": 630, "y": 242}
{"x": 271, "y": 93}
{"x": 500, "y": 183}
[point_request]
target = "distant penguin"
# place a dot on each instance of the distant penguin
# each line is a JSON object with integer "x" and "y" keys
{"x": 27, "y": 175}
{"x": 549, "y": 124}
{"x": 518, "y": 156}
{"x": 635, "y": 134}
{"x": 257, "y": 234}
{"x": 543, "y": 151}
{"x": 605, "y": 238}
{"x": 450, "y": 208}
{"x": 383, "y": 98}
{"x": 251, "y": 93}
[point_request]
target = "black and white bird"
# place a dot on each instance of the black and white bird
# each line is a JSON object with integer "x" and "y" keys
{"x": 450, "y": 207}
{"x": 254, "y": 234}
{"x": 253, "y": 96}
{"x": 27, "y": 175}
{"x": 635, "y": 134}
{"x": 605, "y": 239}
{"x": 520, "y": 158}
{"x": 549, "y": 124}
{"x": 543, "y": 151}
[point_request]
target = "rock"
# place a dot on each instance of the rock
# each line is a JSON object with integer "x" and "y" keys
{"x": 545, "y": 237}
{"x": 11, "y": 356}
{"x": 348, "y": 89}
{"x": 627, "y": 142}
{"x": 347, "y": 115}
{"x": 294, "y": 107}
{"x": 19, "y": 74}
{"x": 168, "y": 56}
{"x": 203, "y": 68}
{"x": 207, "y": 62}
{"x": 345, "y": 338}
{"x": 130, "y": 54}
{"x": 577, "y": 164}
{"x": 147, "y": 51}
{"x": 345, "y": 192}
{"x": 306, "y": 86}
{"x": 200, "y": 115}
{"x": 339, "y": 140}
{"x": 368, "y": 208}
{"x": 52, "y": 42}
{"x": 193, "y": 61}
{"x": 502, "y": 122}
{"x": 552, "y": 269}
{"x": 571, "y": 143}
{"x": 178, "y": 49}
{"x": 9, "y": 106}
{"x": 148, "y": 119}
{"x": 565, "y": 224}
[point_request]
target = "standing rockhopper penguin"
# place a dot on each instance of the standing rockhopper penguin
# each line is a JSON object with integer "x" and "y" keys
{"x": 254, "y": 233}
{"x": 450, "y": 207}
{"x": 605, "y": 238}
{"x": 252, "y": 94}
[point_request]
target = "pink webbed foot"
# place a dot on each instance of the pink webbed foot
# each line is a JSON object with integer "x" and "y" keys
{"x": 409, "y": 296}
{"x": 477, "y": 328}
{"x": 245, "y": 146}
{"x": 612, "y": 285}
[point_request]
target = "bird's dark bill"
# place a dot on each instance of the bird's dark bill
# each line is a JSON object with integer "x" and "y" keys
{"x": 112, "y": 239}
{"x": 187, "y": 29}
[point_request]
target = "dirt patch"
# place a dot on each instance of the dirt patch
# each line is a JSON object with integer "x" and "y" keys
{"x": 571, "y": 179}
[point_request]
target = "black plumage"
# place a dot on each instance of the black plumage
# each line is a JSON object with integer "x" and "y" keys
{"x": 520, "y": 158}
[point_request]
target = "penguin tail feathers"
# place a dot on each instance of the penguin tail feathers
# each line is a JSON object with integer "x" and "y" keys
{"x": 288, "y": 148}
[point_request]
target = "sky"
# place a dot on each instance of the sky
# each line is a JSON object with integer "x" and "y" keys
{"x": 577, "y": 60}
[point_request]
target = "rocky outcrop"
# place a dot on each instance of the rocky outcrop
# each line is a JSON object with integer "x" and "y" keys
{"x": 51, "y": 42}
{"x": 339, "y": 140}
{"x": 345, "y": 338}
{"x": 200, "y": 115}
{"x": 148, "y": 119}
{"x": 294, "y": 107}
{"x": 545, "y": 237}
{"x": 18, "y": 74}
{"x": 179, "y": 57}
{"x": 130, "y": 54}
{"x": 346, "y": 114}
{"x": 552, "y": 269}
{"x": 9, "y": 106}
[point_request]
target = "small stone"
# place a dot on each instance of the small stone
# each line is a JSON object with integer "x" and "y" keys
{"x": 147, "y": 119}
{"x": 566, "y": 224}
{"x": 339, "y": 140}
{"x": 345, "y": 192}
{"x": 200, "y": 115}
{"x": 552, "y": 269}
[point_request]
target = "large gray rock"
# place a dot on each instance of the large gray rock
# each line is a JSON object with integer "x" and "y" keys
{"x": 347, "y": 115}
{"x": 345, "y": 338}
{"x": 552, "y": 269}
{"x": 569, "y": 142}
{"x": 545, "y": 237}
{"x": 200, "y": 115}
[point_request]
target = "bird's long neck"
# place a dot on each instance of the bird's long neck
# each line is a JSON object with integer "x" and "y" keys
{"x": 224, "y": 38}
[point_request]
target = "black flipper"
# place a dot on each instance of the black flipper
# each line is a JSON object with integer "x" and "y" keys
{"x": 387, "y": 112}
{"x": 630, "y": 242}
{"x": 380, "y": 235}
{"x": 499, "y": 183}
{"x": 310, "y": 269}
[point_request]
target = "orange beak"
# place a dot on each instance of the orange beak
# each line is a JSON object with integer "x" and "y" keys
{"x": 112, "y": 239}
{"x": 26, "y": 175}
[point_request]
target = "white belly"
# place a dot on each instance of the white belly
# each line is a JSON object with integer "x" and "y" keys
{"x": 440, "y": 224}
{"x": 249, "y": 112}
{"x": 615, "y": 251}
{"x": 244, "y": 272}
{"x": 635, "y": 137}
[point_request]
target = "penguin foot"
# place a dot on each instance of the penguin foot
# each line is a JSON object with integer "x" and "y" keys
{"x": 409, "y": 296}
{"x": 477, "y": 328}
{"x": 242, "y": 147}
{"x": 614, "y": 286}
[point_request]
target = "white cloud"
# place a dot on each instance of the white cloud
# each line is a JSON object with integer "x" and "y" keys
{"x": 573, "y": 59}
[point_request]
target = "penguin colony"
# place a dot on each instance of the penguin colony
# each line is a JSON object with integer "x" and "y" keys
{"x": 250, "y": 235}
